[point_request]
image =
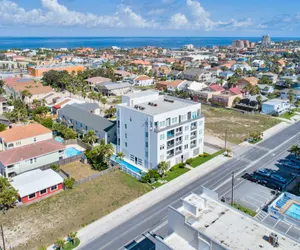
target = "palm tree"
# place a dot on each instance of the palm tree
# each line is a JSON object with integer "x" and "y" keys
{"x": 120, "y": 156}
{"x": 26, "y": 93}
{"x": 72, "y": 236}
{"x": 163, "y": 167}
{"x": 259, "y": 101}
{"x": 295, "y": 150}
{"x": 90, "y": 137}
{"x": 60, "y": 243}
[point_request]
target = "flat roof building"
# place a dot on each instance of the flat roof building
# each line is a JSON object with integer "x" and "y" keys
{"x": 203, "y": 222}
{"x": 38, "y": 71}
{"x": 153, "y": 128}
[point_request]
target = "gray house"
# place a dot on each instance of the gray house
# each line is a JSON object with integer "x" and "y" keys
{"x": 82, "y": 120}
{"x": 196, "y": 74}
{"x": 114, "y": 88}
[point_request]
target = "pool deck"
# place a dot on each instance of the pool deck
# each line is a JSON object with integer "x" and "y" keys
{"x": 287, "y": 206}
{"x": 76, "y": 147}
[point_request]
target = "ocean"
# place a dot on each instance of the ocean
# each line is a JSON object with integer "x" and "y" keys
{"x": 123, "y": 42}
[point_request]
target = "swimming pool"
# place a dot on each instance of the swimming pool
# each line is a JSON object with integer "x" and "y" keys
{"x": 127, "y": 165}
{"x": 69, "y": 152}
{"x": 294, "y": 211}
{"x": 59, "y": 139}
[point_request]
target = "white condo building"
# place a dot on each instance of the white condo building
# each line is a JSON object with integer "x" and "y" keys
{"x": 153, "y": 128}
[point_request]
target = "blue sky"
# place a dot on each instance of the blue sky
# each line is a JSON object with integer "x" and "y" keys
{"x": 149, "y": 18}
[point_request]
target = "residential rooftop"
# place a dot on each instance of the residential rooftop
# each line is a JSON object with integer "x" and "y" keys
{"x": 35, "y": 180}
{"x": 227, "y": 227}
{"x": 22, "y": 132}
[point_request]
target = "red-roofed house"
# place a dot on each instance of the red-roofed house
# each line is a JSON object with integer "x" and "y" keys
{"x": 142, "y": 64}
{"x": 216, "y": 87}
{"x": 226, "y": 98}
{"x": 253, "y": 81}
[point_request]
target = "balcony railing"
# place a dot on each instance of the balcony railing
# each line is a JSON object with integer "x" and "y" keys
{"x": 193, "y": 145}
{"x": 170, "y": 156}
{"x": 178, "y": 152}
{"x": 193, "y": 136}
{"x": 193, "y": 127}
{"x": 157, "y": 129}
{"x": 178, "y": 143}
{"x": 179, "y": 133}
{"x": 170, "y": 146}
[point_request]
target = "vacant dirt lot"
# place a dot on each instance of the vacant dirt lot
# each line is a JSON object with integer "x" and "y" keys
{"x": 238, "y": 125}
{"x": 42, "y": 223}
{"x": 78, "y": 170}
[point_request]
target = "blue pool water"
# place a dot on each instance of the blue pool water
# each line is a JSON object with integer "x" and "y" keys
{"x": 69, "y": 152}
{"x": 126, "y": 164}
{"x": 59, "y": 139}
{"x": 294, "y": 211}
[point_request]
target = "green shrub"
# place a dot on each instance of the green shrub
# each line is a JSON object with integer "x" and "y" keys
{"x": 181, "y": 165}
{"x": 189, "y": 161}
{"x": 54, "y": 167}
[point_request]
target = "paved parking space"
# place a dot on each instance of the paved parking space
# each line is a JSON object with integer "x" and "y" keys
{"x": 251, "y": 195}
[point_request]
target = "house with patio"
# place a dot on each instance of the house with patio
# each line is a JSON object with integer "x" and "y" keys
{"x": 227, "y": 98}
{"x": 32, "y": 156}
{"x": 82, "y": 120}
{"x": 275, "y": 107}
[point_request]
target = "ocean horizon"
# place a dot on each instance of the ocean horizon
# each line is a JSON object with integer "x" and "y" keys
{"x": 122, "y": 42}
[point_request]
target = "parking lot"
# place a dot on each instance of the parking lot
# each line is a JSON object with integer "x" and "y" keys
{"x": 251, "y": 195}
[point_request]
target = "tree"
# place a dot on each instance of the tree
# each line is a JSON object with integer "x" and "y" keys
{"x": 163, "y": 167}
{"x": 47, "y": 122}
{"x": 236, "y": 100}
{"x": 291, "y": 95}
{"x": 259, "y": 101}
{"x": 8, "y": 195}
{"x": 265, "y": 80}
{"x": 19, "y": 112}
{"x": 90, "y": 137}
{"x": 60, "y": 243}
{"x": 69, "y": 133}
{"x": 288, "y": 83}
{"x": 72, "y": 236}
{"x": 69, "y": 183}
{"x": 295, "y": 150}
{"x": 99, "y": 156}
{"x": 232, "y": 81}
{"x": 2, "y": 127}
{"x": 120, "y": 156}
{"x": 26, "y": 94}
{"x": 55, "y": 167}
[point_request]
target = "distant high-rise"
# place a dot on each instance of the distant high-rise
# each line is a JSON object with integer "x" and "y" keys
{"x": 266, "y": 40}
{"x": 241, "y": 44}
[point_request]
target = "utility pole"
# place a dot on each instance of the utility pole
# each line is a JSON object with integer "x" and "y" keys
{"x": 2, "y": 234}
{"x": 225, "y": 139}
{"x": 232, "y": 186}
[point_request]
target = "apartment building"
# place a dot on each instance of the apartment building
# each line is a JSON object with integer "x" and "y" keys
{"x": 37, "y": 71}
{"x": 20, "y": 136}
{"x": 152, "y": 128}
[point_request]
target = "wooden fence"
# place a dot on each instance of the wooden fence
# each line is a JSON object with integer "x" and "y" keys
{"x": 94, "y": 176}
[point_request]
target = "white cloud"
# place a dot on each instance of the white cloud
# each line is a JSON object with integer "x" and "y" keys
{"x": 55, "y": 14}
{"x": 199, "y": 14}
{"x": 156, "y": 12}
{"x": 178, "y": 21}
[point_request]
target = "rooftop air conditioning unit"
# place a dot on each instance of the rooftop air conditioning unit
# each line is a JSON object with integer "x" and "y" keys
{"x": 273, "y": 239}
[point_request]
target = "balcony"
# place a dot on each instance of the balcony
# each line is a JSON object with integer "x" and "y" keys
{"x": 178, "y": 151}
{"x": 193, "y": 145}
{"x": 170, "y": 154}
{"x": 179, "y": 133}
{"x": 170, "y": 134}
{"x": 170, "y": 144}
{"x": 193, "y": 135}
{"x": 178, "y": 142}
{"x": 193, "y": 126}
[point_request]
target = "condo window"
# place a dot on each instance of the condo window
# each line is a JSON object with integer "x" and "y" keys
{"x": 125, "y": 135}
{"x": 126, "y": 144}
{"x": 146, "y": 134}
{"x": 44, "y": 191}
{"x": 31, "y": 196}
{"x": 186, "y": 146}
{"x": 162, "y": 147}
{"x": 53, "y": 188}
{"x": 162, "y": 136}
{"x": 125, "y": 126}
{"x": 31, "y": 161}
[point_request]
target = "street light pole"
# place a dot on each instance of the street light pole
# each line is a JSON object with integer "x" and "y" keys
{"x": 232, "y": 186}
{"x": 2, "y": 234}
{"x": 225, "y": 139}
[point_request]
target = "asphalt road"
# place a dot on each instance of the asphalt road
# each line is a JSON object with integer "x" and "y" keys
{"x": 218, "y": 180}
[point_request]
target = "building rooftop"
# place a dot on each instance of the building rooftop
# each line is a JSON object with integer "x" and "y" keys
{"x": 224, "y": 225}
{"x": 35, "y": 180}
{"x": 15, "y": 155}
{"x": 22, "y": 132}
{"x": 93, "y": 121}
{"x": 150, "y": 102}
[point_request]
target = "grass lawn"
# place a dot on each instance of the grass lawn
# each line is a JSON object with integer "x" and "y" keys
{"x": 41, "y": 223}
{"x": 287, "y": 115}
{"x": 255, "y": 141}
{"x": 197, "y": 161}
{"x": 238, "y": 125}
{"x": 78, "y": 170}
{"x": 244, "y": 209}
{"x": 173, "y": 173}
{"x": 70, "y": 246}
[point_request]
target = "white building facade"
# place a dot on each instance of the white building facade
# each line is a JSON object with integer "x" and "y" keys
{"x": 153, "y": 128}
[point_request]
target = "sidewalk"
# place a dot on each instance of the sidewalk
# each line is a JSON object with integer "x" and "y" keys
{"x": 126, "y": 212}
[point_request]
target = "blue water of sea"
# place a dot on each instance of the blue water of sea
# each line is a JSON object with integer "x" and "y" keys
{"x": 123, "y": 42}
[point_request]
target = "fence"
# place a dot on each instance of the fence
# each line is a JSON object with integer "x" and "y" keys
{"x": 78, "y": 142}
{"x": 94, "y": 176}
{"x": 63, "y": 161}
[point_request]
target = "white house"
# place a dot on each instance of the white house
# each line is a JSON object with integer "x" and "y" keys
{"x": 142, "y": 80}
{"x": 20, "y": 136}
{"x": 22, "y": 159}
{"x": 275, "y": 106}
{"x": 153, "y": 128}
